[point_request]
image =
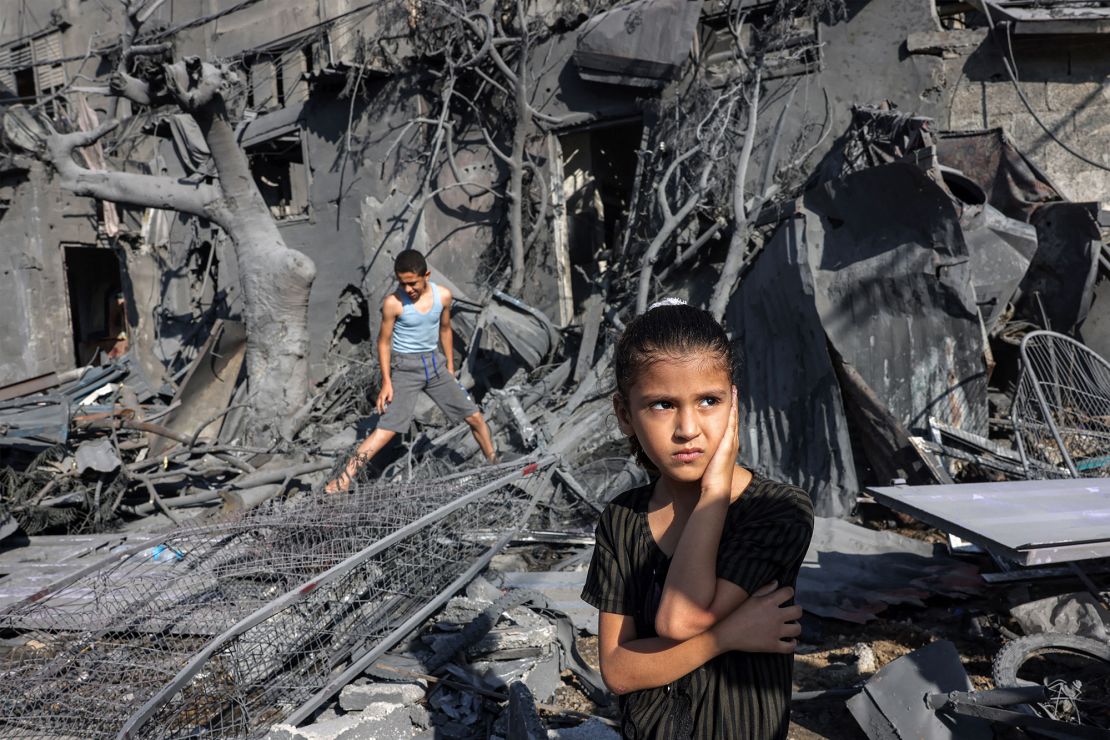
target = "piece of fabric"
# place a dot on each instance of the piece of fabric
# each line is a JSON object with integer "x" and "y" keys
{"x": 427, "y": 371}
{"x": 415, "y": 331}
{"x": 736, "y": 695}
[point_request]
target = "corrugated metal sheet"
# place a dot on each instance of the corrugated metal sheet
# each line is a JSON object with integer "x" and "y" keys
{"x": 791, "y": 408}
{"x": 893, "y": 287}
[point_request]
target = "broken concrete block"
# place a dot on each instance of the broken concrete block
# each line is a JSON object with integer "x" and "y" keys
{"x": 482, "y": 589}
{"x": 508, "y": 642}
{"x": 1073, "y": 614}
{"x": 356, "y": 697}
{"x": 460, "y": 611}
{"x": 866, "y": 660}
{"x": 540, "y": 675}
{"x": 98, "y": 455}
{"x": 381, "y": 721}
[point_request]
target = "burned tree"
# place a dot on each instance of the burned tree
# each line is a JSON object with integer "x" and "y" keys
{"x": 485, "y": 82}
{"x": 276, "y": 280}
{"x": 704, "y": 176}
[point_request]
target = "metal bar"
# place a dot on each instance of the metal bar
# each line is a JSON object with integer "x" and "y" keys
{"x": 1038, "y": 573}
{"x": 992, "y": 698}
{"x": 194, "y": 666}
{"x": 1028, "y": 721}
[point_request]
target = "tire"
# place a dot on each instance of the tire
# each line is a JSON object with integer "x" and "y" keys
{"x": 1093, "y": 658}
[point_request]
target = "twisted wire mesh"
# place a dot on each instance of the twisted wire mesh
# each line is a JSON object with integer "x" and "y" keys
{"x": 108, "y": 642}
{"x": 1061, "y": 410}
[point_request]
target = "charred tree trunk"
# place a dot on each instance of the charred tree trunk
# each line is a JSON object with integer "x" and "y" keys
{"x": 276, "y": 280}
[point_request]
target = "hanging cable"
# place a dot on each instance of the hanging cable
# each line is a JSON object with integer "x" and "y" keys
{"x": 1010, "y": 64}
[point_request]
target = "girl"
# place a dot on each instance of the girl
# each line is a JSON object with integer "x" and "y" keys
{"x": 692, "y": 572}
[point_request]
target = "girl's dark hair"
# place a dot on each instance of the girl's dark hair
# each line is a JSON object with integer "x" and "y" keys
{"x": 663, "y": 332}
{"x": 668, "y": 331}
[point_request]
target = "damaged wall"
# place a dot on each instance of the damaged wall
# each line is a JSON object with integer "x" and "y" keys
{"x": 1066, "y": 80}
{"x": 36, "y": 338}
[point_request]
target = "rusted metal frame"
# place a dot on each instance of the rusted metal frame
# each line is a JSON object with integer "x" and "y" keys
{"x": 363, "y": 662}
{"x": 186, "y": 674}
{"x": 1040, "y": 393}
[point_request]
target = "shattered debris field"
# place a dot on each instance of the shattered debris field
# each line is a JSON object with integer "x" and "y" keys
{"x": 316, "y": 419}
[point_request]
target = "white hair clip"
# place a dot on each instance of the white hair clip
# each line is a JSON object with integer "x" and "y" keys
{"x": 667, "y": 302}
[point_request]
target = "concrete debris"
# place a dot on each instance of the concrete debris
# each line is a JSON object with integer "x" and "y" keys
{"x": 1073, "y": 614}
{"x": 540, "y": 675}
{"x": 97, "y": 455}
{"x": 561, "y": 589}
{"x": 358, "y": 696}
{"x": 377, "y": 721}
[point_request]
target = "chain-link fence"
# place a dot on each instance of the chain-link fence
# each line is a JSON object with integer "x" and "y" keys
{"x": 223, "y": 630}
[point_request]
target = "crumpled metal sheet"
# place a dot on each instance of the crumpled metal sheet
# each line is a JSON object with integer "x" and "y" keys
{"x": 876, "y": 135}
{"x": 891, "y": 706}
{"x": 642, "y": 44}
{"x": 37, "y": 422}
{"x": 892, "y": 283}
{"x": 791, "y": 408}
{"x": 1061, "y": 276}
{"x": 1000, "y": 249}
{"x": 873, "y": 282}
{"x": 853, "y": 573}
{"x": 97, "y": 455}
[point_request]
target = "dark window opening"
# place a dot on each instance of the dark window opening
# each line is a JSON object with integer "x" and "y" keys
{"x": 791, "y": 48}
{"x": 282, "y": 178}
{"x": 279, "y": 79}
{"x": 24, "y": 79}
{"x": 96, "y": 304}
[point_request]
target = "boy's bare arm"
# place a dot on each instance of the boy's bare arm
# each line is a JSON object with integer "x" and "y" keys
{"x": 693, "y": 598}
{"x": 629, "y": 663}
{"x": 446, "y": 337}
{"x": 391, "y": 309}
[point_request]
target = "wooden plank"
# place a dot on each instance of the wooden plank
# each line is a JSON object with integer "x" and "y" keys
{"x": 590, "y": 328}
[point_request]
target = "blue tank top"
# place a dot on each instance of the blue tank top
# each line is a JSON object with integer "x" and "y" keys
{"x": 415, "y": 331}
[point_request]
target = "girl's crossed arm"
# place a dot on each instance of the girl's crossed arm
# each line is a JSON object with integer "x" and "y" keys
{"x": 759, "y": 625}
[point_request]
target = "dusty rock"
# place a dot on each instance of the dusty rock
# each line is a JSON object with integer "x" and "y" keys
{"x": 356, "y": 697}
{"x": 381, "y": 721}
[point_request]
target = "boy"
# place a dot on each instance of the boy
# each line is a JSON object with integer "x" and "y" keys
{"x": 415, "y": 320}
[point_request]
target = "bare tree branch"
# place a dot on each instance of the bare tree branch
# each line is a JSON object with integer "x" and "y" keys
{"x": 148, "y": 191}
{"x": 733, "y": 261}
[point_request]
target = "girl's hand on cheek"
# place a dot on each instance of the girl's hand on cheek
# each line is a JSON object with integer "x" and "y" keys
{"x": 717, "y": 479}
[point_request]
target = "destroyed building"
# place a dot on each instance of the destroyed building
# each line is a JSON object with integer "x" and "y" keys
{"x": 879, "y": 198}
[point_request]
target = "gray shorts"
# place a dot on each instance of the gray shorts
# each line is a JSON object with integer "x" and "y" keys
{"x": 420, "y": 371}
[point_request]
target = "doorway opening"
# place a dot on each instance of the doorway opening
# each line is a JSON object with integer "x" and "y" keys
{"x": 96, "y": 304}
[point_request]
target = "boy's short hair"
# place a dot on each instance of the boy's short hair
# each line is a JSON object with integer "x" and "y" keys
{"x": 410, "y": 261}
